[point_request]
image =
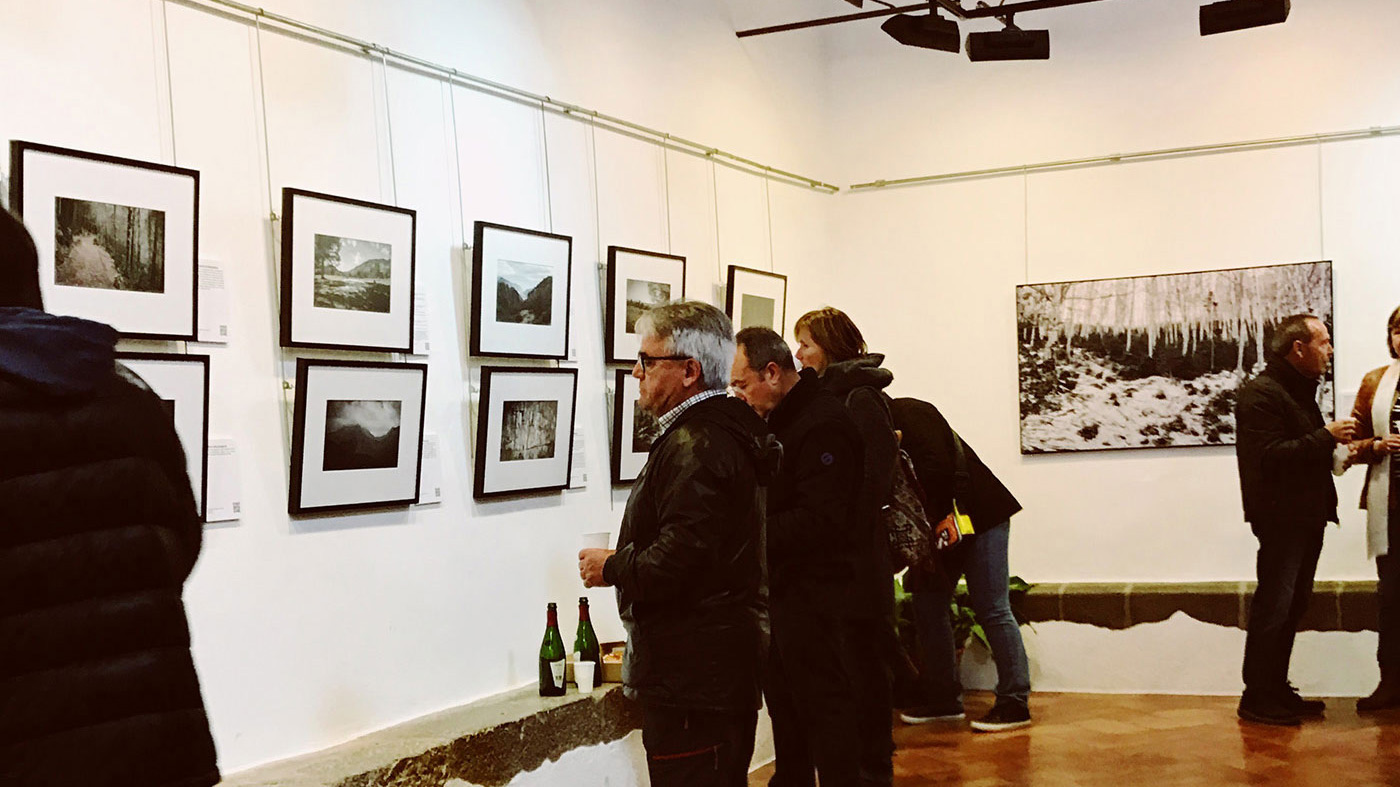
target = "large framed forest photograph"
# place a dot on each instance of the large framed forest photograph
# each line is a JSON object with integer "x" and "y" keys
{"x": 522, "y": 279}
{"x": 118, "y": 239}
{"x": 1153, "y": 361}
{"x": 525, "y": 430}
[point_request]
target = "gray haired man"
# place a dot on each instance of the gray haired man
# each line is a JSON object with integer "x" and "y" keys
{"x": 689, "y": 564}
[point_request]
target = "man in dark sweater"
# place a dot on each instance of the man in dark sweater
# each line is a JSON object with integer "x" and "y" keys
{"x": 812, "y": 538}
{"x": 1284, "y": 453}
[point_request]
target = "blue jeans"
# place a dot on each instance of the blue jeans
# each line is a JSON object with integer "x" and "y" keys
{"x": 985, "y": 565}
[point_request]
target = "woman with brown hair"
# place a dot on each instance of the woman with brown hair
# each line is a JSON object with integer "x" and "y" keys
{"x": 1377, "y": 414}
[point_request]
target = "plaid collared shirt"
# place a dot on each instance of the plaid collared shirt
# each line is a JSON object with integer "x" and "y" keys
{"x": 670, "y": 416}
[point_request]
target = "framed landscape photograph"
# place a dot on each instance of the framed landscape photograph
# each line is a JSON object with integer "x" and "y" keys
{"x": 520, "y": 296}
{"x": 754, "y": 297}
{"x": 637, "y": 281}
{"x": 525, "y": 430}
{"x": 118, "y": 239}
{"x": 1153, "y": 361}
{"x": 357, "y": 435}
{"x": 182, "y": 383}
{"x": 347, "y": 273}
{"x": 633, "y": 429}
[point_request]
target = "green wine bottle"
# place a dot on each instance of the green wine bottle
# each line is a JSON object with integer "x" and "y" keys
{"x": 552, "y": 656}
{"x": 586, "y": 643}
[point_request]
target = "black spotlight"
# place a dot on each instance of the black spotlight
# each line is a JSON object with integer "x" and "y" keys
{"x": 930, "y": 32}
{"x": 1013, "y": 43}
{"x": 1230, "y": 15}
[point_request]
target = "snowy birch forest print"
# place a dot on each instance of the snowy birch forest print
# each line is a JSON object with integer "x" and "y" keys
{"x": 1153, "y": 361}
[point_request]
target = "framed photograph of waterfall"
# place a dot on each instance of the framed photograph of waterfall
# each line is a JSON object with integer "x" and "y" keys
{"x": 633, "y": 429}
{"x": 753, "y": 297}
{"x": 182, "y": 383}
{"x": 118, "y": 239}
{"x": 1154, "y": 361}
{"x": 637, "y": 281}
{"x": 347, "y": 273}
{"x": 357, "y": 435}
{"x": 524, "y": 431}
{"x": 520, "y": 293}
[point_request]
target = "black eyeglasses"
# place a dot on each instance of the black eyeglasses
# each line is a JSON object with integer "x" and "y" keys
{"x": 646, "y": 360}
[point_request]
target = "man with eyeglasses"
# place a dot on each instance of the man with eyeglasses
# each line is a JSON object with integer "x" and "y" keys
{"x": 689, "y": 564}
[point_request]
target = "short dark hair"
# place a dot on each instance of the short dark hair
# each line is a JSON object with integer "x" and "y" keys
{"x": 1390, "y": 325}
{"x": 763, "y": 346}
{"x": 19, "y": 265}
{"x": 834, "y": 332}
{"x": 1293, "y": 328}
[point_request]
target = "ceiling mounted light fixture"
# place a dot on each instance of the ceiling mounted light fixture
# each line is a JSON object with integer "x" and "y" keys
{"x": 1013, "y": 43}
{"x": 1228, "y": 15}
{"x": 929, "y": 31}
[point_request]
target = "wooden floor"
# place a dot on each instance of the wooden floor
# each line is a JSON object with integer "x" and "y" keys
{"x": 1098, "y": 739}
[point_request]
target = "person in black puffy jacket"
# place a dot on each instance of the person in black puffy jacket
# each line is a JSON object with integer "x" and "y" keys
{"x": 689, "y": 564}
{"x": 98, "y": 532}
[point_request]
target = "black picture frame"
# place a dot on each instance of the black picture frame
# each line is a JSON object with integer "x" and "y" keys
{"x": 661, "y": 269}
{"x": 307, "y": 319}
{"x": 740, "y": 280}
{"x": 41, "y": 172}
{"x": 627, "y": 461}
{"x": 139, "y": 362}
{"x": 347, "y": 492}
{"x": 497, "y": 338}
{"x": 550, "y": 473}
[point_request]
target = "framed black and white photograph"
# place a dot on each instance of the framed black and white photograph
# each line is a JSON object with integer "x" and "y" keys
{"x": 357, "y": 435}
{"x": 637, "y": 281}
{"x": 633, "y": 429}
{"x": 756, "y": 298}
{"x": 347, "y": 273}
{"x": 118, "y": 239}
{"x": 525, "y": 430}
{"x": 182, "y": 383}
{"x": 1153, "y": 361}
{"x": 520, "y": 297}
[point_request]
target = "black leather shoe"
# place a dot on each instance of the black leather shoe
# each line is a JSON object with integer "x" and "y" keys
{"x": 1300, "y": 706}
{"x": 1268, "y": 710}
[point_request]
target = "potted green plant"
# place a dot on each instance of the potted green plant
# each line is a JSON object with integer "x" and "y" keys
{"x": 965, "y": 625}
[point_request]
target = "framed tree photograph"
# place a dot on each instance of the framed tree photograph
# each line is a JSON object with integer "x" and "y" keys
{"x": 754, "y": 297}
{"x": 182, "y": 383}
{"x": 633, "y": 429}
{"x": 1153, "y": 361}
{"x": 525, "y": 430}
{"x": 637, "y": 281}
{"x": 357, "y": 435}
{"x": 347, "y": 273}
{"x": 118, "y": 239}
{"x": 520, "y": 296}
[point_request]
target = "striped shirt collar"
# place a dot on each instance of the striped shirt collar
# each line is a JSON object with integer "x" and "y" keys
{"x": 670, "y": 416}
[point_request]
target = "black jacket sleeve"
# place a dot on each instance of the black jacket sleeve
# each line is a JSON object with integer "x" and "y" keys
{"x": 928, "y": 439}
{"x": 1263, "y": 426}
{"x": 871, "y": 414}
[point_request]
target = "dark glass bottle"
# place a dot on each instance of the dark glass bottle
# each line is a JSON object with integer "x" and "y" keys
{"x": 586, "y": 643}
{"x": 552, "y": 656}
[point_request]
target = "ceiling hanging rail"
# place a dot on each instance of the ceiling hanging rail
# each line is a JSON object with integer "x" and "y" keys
{"x": 611, "y": 122}
{"x": 1145, "y": 155}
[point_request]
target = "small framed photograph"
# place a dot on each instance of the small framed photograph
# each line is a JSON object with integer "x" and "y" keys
{"x": 118, "y": 239}
{"x": 637, "y": 281}
{"x": 520, "y": 301}
{"x": 525, "y": 431}
{"x": 182, "y": 383}
{"x": 754, "y": 297}
{"x": 347, "y": 273}
{"x": 634, "y": 429}
{"x": 357, "y": 435}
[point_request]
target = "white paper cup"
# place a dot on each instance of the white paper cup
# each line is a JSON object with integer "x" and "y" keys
{"x": 583, "y": 675}
{"x": 595, "y": 540}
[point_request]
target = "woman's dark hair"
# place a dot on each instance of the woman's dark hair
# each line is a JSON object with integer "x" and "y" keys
{"x": 834, "y": 332}
{"x": 19, "y": 265}
{"x": 1390, "y": 326}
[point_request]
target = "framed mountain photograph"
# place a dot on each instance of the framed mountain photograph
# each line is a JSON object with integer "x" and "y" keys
{"x": 347, "y": 273}
{"x": 637, "y": 281}
{"x": 520, "y": 297}
{"x": 525, "y": 430}
{"x": 182, "y": 383}
{"x": 633, "y": 429}
{"x": 754, "y": 297}
{"x": 357, "y": 435}
{"x": 1153, "y": 361}
{"x": 118, "y": 239}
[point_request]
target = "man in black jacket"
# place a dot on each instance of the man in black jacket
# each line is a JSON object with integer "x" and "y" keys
{"x": 1284, "y": 452}
{"x": 98, "y": 533}
{"x": 689, "y": 563}
{"x": 812, "y": 533}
